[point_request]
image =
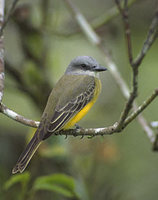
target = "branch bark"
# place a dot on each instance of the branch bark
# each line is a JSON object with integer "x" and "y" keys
{"x": 2, "y": 4}
{"x": 19, "y": 118}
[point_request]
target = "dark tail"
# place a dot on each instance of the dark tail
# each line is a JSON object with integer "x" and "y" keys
{"x": 27, "y": 154}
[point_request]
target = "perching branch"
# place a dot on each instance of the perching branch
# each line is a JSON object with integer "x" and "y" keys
{"x": 125, "y": 118}
{"x": 115, "y": 127}
{"x": 83, "y": 131}
{"x": 2, "y": 4}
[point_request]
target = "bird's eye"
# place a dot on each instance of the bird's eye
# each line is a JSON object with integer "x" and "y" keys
{"x": 83, "y": 65}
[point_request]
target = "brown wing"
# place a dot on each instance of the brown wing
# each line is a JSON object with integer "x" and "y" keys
{"x": 63, "y": 114}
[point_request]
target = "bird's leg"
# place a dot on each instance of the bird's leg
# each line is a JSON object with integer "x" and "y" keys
{"x": 77, "y": 126}
{"x": 57, "y": 133}
{"x": 60, "y": 133}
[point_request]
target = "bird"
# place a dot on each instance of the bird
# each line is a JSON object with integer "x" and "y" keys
{"x": 69, "y": 101}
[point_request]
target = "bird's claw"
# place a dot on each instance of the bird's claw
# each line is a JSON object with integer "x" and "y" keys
{"x": 77, "y": 126}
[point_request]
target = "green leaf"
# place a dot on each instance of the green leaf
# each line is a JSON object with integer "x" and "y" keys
{"x": 59, "y": 183}
{"x": 55, "y": 188}
{"x": 18, "y": 178}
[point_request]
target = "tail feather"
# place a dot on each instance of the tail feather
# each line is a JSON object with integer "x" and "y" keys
{"x": 26, "y": 155}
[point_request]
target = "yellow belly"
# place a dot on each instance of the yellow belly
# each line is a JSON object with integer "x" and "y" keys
{"x": 84, "y": 111}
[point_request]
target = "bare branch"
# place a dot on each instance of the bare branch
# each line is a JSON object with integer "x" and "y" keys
{"x": 9, "y": 15}
{"x": 131, "y": 99}
{"x": 92, "y": 132}
{"x": 2, "y": 4}
{"x": 89, "y": 131}
{"x": 116, "y": 128}
{"x": 125, "y": 18}
{"x": 19, "y": 118}
{"x": 141, "y": 108}
{"x": 147, "y": 129}
{"x": 96, "y": 23}
{"x": 108, "y": 16}
{"x": 151, "y": 37}
{"x": 84, "y": 25}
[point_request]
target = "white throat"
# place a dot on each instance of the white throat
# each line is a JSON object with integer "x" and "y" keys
{"x": 87, "y": 72}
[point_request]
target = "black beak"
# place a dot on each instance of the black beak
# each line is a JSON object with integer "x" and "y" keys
{"x": 99, "y": 68}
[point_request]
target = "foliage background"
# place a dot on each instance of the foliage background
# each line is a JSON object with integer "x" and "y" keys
{"x": 121, "y": 166}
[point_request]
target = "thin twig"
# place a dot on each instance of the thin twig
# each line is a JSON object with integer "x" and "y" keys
{"x": 125, "y": 18}
{"x": 108, "y": 16}
{"x": 8, "y": 16}
{"x": 141, "y": 108}
{"x": 101, "y": 20}
{"x": 151, "y": 37}
{"x": 2, "y": 4}
{"x": 149, "y": 132}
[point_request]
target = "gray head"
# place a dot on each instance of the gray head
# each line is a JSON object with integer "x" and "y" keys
{"x": 84, "y": 65}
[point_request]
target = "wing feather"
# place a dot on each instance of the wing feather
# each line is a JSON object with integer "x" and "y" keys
{"x": 63, "y": 114}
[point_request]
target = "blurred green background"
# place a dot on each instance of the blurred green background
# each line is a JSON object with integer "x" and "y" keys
{"x": 41, "y": 39}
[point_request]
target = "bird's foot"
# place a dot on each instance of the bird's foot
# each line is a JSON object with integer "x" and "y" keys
{"x": 77, "y": 126}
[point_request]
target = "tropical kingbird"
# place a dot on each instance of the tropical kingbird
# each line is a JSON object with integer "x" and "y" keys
{"x": 71, "y": 98}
